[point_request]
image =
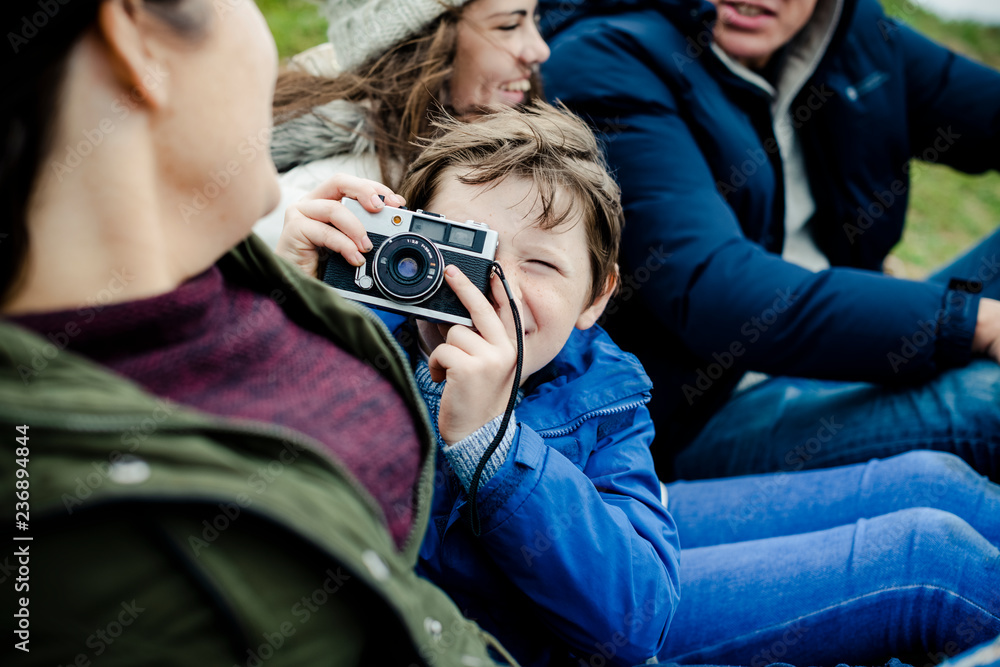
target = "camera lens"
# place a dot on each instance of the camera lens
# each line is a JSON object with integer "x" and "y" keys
{"x": 408, "y": 267}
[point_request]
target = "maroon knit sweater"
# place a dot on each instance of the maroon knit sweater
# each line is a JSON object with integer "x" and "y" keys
{"x": 232, "y": 352}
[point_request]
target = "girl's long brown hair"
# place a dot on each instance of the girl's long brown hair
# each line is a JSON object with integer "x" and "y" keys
{"x": 403, "y": 90}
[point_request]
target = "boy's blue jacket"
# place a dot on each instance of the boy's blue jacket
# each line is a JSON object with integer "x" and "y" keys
{"x": 576, "y": 548}
{"x": 693, "y": 147}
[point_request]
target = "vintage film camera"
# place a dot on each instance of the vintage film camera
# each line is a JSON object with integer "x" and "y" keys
{"x": 404, "y": 270}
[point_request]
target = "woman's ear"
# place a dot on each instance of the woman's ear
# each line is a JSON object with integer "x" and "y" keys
{"x": 125, "y": 30}
{"x": 594, "y": 311}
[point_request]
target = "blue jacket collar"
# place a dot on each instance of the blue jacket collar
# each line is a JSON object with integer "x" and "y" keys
{"x": 590, "y": 374}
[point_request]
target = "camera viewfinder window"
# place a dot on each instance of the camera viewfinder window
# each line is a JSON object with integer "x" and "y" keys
{"x": 432, "y": 230}
{"x": 461, "y": 236}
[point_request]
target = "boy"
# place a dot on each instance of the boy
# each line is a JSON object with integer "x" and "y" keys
{"x": 576, "y": 556}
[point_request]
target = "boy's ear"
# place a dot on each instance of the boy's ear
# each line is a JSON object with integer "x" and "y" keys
{"x": 593, "y": 312}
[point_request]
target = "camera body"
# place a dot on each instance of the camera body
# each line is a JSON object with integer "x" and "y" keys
{"x": 404, "y": 270}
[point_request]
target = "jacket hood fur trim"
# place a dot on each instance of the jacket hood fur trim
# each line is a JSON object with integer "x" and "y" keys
{"x": 336, "y": 128}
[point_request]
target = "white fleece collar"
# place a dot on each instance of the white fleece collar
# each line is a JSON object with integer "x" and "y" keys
{"x": 800, "y": 59}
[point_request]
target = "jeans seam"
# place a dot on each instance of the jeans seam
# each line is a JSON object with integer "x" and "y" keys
{"x": 910, "y": 443}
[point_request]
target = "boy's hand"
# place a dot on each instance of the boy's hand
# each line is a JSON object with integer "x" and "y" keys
{"x": 319, "y": 220}
{"x": 478, "y": 364}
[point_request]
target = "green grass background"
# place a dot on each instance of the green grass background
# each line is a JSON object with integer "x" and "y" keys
{"x": 948, "y": 210}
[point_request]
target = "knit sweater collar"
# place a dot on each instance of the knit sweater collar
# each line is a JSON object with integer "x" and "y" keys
{"x": 98, "y": 330}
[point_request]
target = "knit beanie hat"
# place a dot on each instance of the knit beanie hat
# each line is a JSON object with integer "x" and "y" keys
{"x": 362, "y": 29}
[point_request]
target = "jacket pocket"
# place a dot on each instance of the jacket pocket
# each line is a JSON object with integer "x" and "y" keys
{"x": 859, "y": 94}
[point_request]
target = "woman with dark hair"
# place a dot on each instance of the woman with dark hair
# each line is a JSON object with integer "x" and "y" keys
{"x": 357, "y": 103}
{"x": 188, "y": 421}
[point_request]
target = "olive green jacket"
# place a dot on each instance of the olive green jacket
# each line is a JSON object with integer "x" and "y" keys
{"x": 161, "y": 535}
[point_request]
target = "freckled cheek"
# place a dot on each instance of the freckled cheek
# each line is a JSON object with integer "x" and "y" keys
{"x": 533, "y": 313}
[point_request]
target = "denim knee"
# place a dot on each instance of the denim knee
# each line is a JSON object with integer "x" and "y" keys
{"x": 934, "y": 479}
{"x": 936, "y": 548}
{"x": 942, "y": 530}
{"x": 928, "y": 465}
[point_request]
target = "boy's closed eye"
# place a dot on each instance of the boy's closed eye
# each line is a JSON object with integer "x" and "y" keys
{"x": 545, "y": 265}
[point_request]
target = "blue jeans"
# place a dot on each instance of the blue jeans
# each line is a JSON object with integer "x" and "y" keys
{"x": 788, "y": 424}
{"x": 856, "y": 564}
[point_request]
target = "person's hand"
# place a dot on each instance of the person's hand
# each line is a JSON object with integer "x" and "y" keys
{"x": 478, "y": 364}
{"x": 986, "y": 339}
{"x": 319, "y": 220}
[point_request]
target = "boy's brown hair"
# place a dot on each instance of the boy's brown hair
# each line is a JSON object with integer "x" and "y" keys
{"x": 547, "y": 145}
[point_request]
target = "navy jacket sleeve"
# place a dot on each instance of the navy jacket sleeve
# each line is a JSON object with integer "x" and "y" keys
{"x": 595, "y": 549}
{"x": 953, "y": 104}
{"x": 716, "y": 284}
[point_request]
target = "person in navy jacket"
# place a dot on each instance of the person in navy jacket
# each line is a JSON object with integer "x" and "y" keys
{"x": 765, "y": 150}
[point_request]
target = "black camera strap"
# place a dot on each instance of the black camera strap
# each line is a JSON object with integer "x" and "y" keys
{"x": 474, "y": 486}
